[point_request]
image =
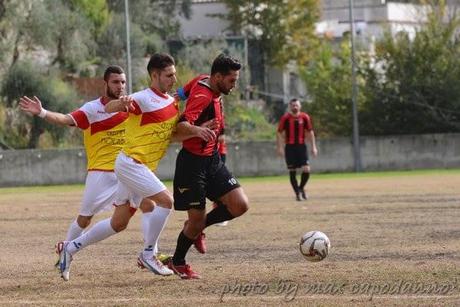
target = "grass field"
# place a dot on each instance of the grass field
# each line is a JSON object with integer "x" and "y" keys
{"x": 395, "y": 241}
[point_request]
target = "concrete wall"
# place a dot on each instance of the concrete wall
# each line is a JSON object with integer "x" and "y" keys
{"x": 37, "y": 167}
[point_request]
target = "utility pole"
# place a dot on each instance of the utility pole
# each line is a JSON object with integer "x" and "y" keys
{"x": 128, "y": 49}
{"x": 354, "y": 95}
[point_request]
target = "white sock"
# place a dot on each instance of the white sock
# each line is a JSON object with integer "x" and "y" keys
{"x": 100, "y": 231}
{"x": 158, "y": 219}
{"x": 145, "y": 229}
{"x": 74, "y": 231}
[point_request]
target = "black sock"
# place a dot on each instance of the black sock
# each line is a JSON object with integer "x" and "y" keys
{"x": 304, "y": 180}
{"x": 293, "y": 179}
{"x": 218, "y": 214}
{"x": 183, "y": 245}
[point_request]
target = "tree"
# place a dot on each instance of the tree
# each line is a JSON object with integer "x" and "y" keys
{"x": 328, "y": 81}
{"x": 22, "y": 79}
{"x": 284, "y": 29}
{"x": 413, "y": 84}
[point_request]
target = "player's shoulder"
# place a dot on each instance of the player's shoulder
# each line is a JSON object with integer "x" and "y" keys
{"x": 142, "y": 94}
{"x": 305, "y": 115}
{"x": 285, "y": 116}
{"x": 201, "y": 90}
{"x": 92, "y": 107}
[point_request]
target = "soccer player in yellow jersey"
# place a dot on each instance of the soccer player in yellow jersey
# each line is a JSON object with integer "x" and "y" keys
{"x": 104, "y": 136}
{"x": 153, "y": 115}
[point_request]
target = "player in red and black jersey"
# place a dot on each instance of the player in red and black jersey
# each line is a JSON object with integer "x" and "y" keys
{"x": 294, "y": 127}
{"x": 200, "y": 173}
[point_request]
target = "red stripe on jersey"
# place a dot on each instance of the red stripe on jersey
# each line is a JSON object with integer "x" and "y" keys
{"x": 81, "y": 119}
{"x": 160, "y": 115}
{"x": 108, "y": 123}
{"x": 292, "y": 131}
{"x": 301, "y": 130}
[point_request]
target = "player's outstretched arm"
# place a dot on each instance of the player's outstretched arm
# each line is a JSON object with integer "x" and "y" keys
{"x": 122, "y": 104}
{"x": 185, "y": 130}
{"x": 34, "y": 107}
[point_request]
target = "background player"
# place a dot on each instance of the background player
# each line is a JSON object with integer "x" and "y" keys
{"x": 294, "y": 127}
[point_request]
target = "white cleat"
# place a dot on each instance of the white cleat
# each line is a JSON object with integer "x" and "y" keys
{"x": 65, "y": 258}
{"x": 153, "y": 265}
{"x": 222, "y": 224}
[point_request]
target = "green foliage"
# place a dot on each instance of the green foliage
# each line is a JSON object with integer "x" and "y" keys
{"x": 154, "y": 16}
{"x": 328, "y": 81}
{"x": 413, "y": 85}
{"x": 96, "y": 11}
{"x": 199, "y": 54}
{"x": 245, "y": 123}
{"x": 248, "y": 124}
{"x": 24, "y": 79}
{"x": 285, "y": 29}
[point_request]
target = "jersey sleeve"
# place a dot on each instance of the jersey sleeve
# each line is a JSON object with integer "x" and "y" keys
{"x": 80, "y": 118}
{"x": 196, "y": 103}
{"x": 282, "y": 123}
{"x": 138, "y": 97}
{"x": 308, "y": 124}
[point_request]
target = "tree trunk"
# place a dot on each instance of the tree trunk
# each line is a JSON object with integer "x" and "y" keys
{"x": 35, "y": 133}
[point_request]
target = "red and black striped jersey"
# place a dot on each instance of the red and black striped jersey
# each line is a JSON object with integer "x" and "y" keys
{"x": 295, "y": 127}
{"x": 202, "y": 105}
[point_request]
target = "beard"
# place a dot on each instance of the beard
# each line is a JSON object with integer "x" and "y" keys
{"x": 223, "y": 90}
{"x": 112, "y": 95}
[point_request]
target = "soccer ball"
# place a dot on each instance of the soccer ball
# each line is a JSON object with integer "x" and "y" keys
{"x": 314, "y": 246}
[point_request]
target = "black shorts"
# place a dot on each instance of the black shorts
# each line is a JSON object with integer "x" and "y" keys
{"x": 296, "y": 155}
{"x": 199, "y": 177}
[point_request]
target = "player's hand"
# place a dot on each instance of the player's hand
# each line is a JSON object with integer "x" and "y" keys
{"x": 212, "y": 124}
{"x": 314, "y": 152}
{"x": 32, "y": 106}
{"x": 280, "y": 151}
{"x": 205, "y": 133}
{"x": 127, "y": 102}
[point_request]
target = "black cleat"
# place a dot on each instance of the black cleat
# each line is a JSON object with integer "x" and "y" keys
{"x": 304, "y": 195}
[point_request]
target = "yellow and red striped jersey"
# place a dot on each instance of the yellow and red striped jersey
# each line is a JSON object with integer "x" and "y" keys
{"x": 103, "y": 133}
{"x": 149, "y": 126}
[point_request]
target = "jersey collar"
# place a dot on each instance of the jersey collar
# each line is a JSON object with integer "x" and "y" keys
{"x": 162, "y": 95}
{"x": 205, "y": 84}
{"x": 104, "y": 100}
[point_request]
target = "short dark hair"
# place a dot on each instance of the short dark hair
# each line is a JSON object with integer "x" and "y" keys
{"x": 112, "y": 69}
{"x": 159, "y": 61}
{"x": 224, "y": 64}
{"x": 293, "y": 100}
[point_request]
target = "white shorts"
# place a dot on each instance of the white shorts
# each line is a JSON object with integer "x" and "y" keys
{"x": 135, "y": 181}
{"x": 100, "y": 192}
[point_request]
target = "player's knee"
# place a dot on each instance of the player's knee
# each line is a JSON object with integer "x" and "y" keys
{"x": 119, "y": 224}
{"x": 168, "y": 202}
{"x": 83, "y": 221}
{"x": 240, "y": 206}
{"x": 163, "y": 199}
{"x": 147, "y": 205}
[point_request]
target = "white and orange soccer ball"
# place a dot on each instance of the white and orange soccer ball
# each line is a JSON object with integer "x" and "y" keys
{"x": 314, "y": 246}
